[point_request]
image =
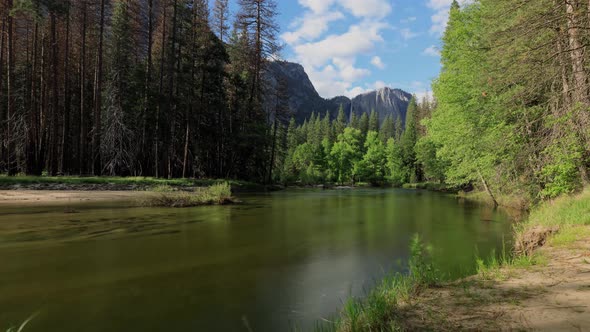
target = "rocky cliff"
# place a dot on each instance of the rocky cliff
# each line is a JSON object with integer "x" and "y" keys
{"x": 305, "y": 100}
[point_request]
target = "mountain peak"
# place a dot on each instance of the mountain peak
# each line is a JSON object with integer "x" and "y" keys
{"x": 305, "y": 100}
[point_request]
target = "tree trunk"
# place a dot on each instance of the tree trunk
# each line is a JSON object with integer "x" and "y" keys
{"x": 148, "y": 80}
{"x": 580, "y": 94}
{"x": 82, "y": 161}
{"x": 54, "y": 141}
{"x": 171, "y": 75}
{"x": 96, "y": 137}
{"x": 160, "y": 93}
{"x": 2, "y": 108}
{"x": 10, "y": 151}
{"x": 487, "y": 188}
{"x": 33, "y": 132}
{"x": 66, "y": 139}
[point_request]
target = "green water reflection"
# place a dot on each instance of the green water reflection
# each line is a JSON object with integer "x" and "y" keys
{"x": 282, "y": 259}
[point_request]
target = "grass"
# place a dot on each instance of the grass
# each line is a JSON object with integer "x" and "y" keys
{"x": 432, "y": 186}
{"x": 571, "y": 214}
{"x": 378, "y": 311}
{"x": 513, "y": 203}
{"x": 217, "y": 194}
{"x": 148, "y": 182}
{"x": 23, "y": 325}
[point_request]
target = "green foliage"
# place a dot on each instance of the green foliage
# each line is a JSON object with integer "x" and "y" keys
{"x": 562, "y": 174}
{"x": 380, "y": 309}
{"x": 372, "y": 167}
{"x": 364, "y": 124}
{"x": 215, "y": 194}
{"x": 374, "y": 121}
{"x": 433, "y": 166}
{"x": 340, "y": 123}
{"x": 387, "y": 129}
{"x": 422, "y": 269}
{"x": 346, "y": 152}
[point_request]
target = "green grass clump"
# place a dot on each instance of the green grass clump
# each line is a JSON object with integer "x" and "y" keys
{"x": 570, "y": 214}
{"x": 563, "y": 211}
{"x": 217, "y": 194}
{"x": 380, "y": 309}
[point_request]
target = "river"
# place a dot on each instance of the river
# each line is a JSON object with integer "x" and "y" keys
{"x": 279, "y": 260}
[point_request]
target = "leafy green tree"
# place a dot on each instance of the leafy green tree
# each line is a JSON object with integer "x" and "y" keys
{"x": 345, "y": 154}
{"x": 434, "y": 167}
{"x": 396, "y": 172}
{"x": 372, "y": 168}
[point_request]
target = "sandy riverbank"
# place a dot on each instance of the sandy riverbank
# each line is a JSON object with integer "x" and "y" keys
{"x": 553, "y": 295}
{"x": 57, "y": 197}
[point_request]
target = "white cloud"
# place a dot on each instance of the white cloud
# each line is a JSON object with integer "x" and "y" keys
{"x": 317, "y": 6}
{"x": 357, "y": 40}
{"x": 331, "y": 60}
{"x": 367, "y": 8}
{"x": 377, "y": 62}
{"x": 431, "y": 51}
{"x": 312, "y": 26}
{"x": 408, "y": 20}
{"x": 408, "y": 34}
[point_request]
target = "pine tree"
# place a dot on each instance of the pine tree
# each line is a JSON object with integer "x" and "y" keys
{"x": 220, "y": 19}
{"x": 374, "y": 121}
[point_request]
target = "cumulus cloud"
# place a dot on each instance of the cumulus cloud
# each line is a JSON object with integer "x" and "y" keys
{"x": 377, "y": 62}
{"x": 367, "y": 8}
{"x": 331, "y": 60}
{"x": 312, "y": 26}
{"x": 317, "y": 6}
{"x": 431, "y": 51}
{"x": 359, "y": 39}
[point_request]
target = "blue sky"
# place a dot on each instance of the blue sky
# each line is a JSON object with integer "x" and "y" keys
{"x": 351, "y": 46}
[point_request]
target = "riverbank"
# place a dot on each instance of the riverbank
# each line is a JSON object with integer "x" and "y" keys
{"x": 44, "y": 190}
{"x": 67, "y": 197}
{"x": 105, "y": 183}
{"x": 544, "y": 286}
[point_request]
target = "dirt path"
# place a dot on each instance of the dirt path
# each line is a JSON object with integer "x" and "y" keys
{"x": 547, "y": 297}
{"x": 32, "y": 197}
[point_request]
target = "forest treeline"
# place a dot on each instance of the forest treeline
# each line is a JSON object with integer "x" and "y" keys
{"x": 351, "y": 149}
{"x": 159, "y": 88}
{"x": 513, "y": 97}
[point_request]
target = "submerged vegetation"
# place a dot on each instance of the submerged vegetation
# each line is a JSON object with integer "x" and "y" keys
{"x": 166, "y": 196}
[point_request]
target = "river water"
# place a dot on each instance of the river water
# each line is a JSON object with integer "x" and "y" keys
{"x": 279, "y": 260}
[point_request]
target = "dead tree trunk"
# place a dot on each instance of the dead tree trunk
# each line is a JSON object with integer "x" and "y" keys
{"x": 82, "y": 141}
{"x": 96, "y": 135}
{"x": 487, "y": 188}
{"x": 66, "y": 139}
{"x": 10, "y": 150}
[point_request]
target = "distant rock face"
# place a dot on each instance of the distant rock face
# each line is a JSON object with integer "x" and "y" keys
{"x": 385, "y": 101}
{"x": 305, "y": 100}
{"x": 303, "y": 97}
